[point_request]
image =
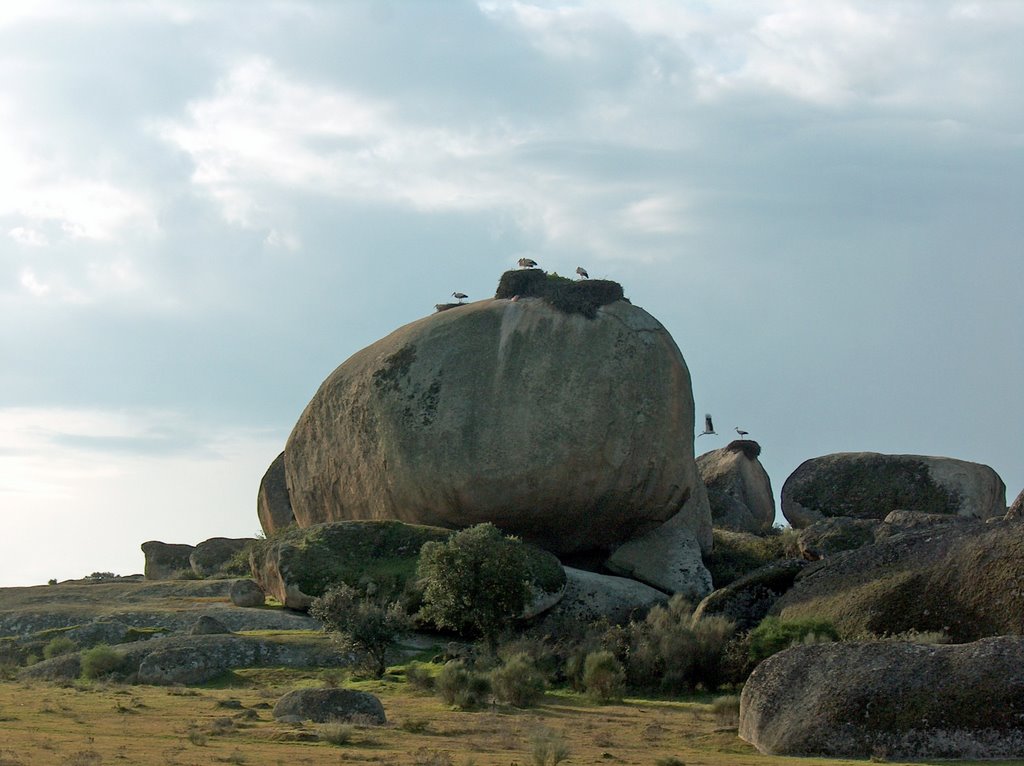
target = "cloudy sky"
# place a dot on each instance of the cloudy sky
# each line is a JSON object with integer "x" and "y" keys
{"x": 205, "y": 207}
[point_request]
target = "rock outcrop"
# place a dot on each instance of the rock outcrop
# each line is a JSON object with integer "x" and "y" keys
{"x": 667, "y": 558}
{"x": 590, "y": 596}
{"x": 896, "y": 701}
{"x": 214, "y": 556}
{"x": 739, "y": 490}
{"x": 323, "y": 705}
{"x": 748, "y": 600}
{"x": 868, "y": 485}
{"x": 832, "y": 535}
{"x": 272, "y": 503}
{"x": 962, "y": 577}
{"x": 571, "y": 432}
{"x": 300, "y": 564}
{"x": 166, "y": 561}
{"x": 247, "y": 593}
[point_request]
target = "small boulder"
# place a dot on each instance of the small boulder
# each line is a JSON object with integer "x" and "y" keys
{"x": 840, "y": 533}
{"x": 323, "y": 705}
{"x": 590, "y": 596}
{"x": 869, "y": 485}
{"x": 213, "y": 556}
{"x": 208, "y": 626}
{"x": 167, "y": 561}
{"x": 273, "y": 505}
{"x": 748, "y": 600}
{"x": 739, "y": 490}
{"x": 667, "y": 558}
{"x": 897, "y": 700}
{"x": 247, "y": 593}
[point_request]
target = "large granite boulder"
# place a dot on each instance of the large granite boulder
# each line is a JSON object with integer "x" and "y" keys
{"x": 215, "y": 556}
{"x": 868, "y": 485}
{"x": 167, "y": 561}
{"x": 962, "y": 577}
{"x": 667, "y": 558}
{"x": 273, "y": 506}
{"x": 323, "y": 705}
{"x": 840, "y": 533}
{"x": 1016, "y": 509}
{"x": 590, "y": 596}
{"x": 739, "y": 490}
{"x": 299, "y": 564}
{"x": 571, "y": 432}
{"x": 748, "y": 600}
{"x": 889, "y": 701}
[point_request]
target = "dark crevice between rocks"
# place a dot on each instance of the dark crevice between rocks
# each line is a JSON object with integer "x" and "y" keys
{"x": 567, "y": 295}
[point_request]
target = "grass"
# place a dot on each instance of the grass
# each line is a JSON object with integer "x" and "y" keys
{"x": 50, "y": 725}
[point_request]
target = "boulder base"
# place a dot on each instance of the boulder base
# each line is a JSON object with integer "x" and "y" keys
{"x": 895, "y": 700}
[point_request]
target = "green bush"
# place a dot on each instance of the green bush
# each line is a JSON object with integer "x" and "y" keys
{"x": 458, "y": 685}
{"x": 518, "y": 682}
{"x": 57, "y": 646}
{"x": 100, "y": 661}
{"x": 604, "y": 678}
{"x": 773, "y": 635}
{"x": 476, "y": 582}
{"x": 362, "y": 624}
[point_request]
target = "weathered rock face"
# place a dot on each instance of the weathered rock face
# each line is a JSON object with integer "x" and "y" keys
{"x": 961, "y": 577}
{"x": 747, "y": 601}
{"x": 667, "y": 558}
{"x": 589, "y": 596}
{"x": 165, "y": 561}
{"x": 300, "y": 564}
{"x": 572, "y": 433}
{"x": 841, "y": 533}
{"x": 1016, "y": 509}
{"x": 898, "y": 700}
{"x": 214, "y": 556}
{"x": 868, "y": 485}
{"x": 247, "y": 593}
{"x": 323, "y": 705}
{"x": 273, "y": 506}
{"x": 739, "y": 490}
{"x": 208, "y": 626}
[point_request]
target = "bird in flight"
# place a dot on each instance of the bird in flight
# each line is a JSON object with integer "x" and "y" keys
{"x": 460, "y": 296}
{"x": 527, "y": 263}
{"x": 741, "y": 432}
{"x": 582, "y": 272}
{"x": 709, "y": 427}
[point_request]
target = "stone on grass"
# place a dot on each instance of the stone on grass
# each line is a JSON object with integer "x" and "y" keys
{"x": 208, "y": 626}
{"x": 247, "y": 593}
{"x": 889, "y": 700}
{"x": 323, "y": 705}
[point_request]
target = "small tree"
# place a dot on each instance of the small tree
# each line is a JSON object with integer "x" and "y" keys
{"x": 475, "y": 582}
{"x": 363, "y": 625}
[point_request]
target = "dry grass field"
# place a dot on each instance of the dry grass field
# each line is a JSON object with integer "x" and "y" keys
{"x": 98, "y": 724}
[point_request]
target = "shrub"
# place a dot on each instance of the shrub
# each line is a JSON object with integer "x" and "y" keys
{"x": 57, "y": 646}
{"x": 419, "y": 678}
{"x": 335, "y": 732}
{"x": 476, "y": 582}
{"x": 604, "y": 678}
{"x": 773, "y": 635}
{"x": 458, "y": 685}
{"x": 518, "y": 682}
{"x": 548, "y": 748}
{"x": 100, "y": 661}
{"x": 726, "y": 709}
{"x": 362, "y": 624}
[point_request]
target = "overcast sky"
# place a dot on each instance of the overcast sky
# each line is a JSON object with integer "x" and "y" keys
{"x": 206, "y": 207}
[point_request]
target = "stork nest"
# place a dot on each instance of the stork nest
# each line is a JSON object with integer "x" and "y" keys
{"x": 748, "y": 447}
{"x": 569, "y": 296}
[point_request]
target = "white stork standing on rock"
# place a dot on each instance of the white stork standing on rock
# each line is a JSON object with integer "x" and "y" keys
{"x": 582, "y": 272}
{"x": 527, "y": 263}
{"x": 741, "y": 432}
{"x": 460, "y": 296}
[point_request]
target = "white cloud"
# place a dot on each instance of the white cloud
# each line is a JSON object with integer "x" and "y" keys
{"x": 32, "y": 284}
{"x": 28, "y": 237}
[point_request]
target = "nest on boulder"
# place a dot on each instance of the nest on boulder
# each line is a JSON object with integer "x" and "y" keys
{"x": 748, "y": 447}
{"x": 567, "y": 295}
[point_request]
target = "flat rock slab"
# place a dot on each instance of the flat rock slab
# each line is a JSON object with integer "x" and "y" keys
{"x": 895, "y": 700}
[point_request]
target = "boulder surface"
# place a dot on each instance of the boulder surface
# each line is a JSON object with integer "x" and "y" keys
{"x": 739, "y": 490}
{"x": 890, "y": 699}
{"x": 590, "y": 596}
{"x": 213, "y": 556}
{"x": 667, "y": 558}
{"x": 747, "y": 601}
{"x": 839, "y": 533}
{"x": 272, "y": 504}
{"x": 323, "y": 705}
{"x": 166, "y": 561}
{"x": 571, "y": 432}
{"x": 868, "y": 485}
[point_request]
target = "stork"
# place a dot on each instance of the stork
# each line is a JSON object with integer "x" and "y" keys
{"x": 741, "y": 432}
{"x": 582, "y": 272}
{"x": 460, "y": 296}
{"x": 709, "y": 427}
{"x": 527, "y": 263}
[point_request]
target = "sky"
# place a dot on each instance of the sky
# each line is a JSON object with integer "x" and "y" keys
{"x": 205, "y": 207}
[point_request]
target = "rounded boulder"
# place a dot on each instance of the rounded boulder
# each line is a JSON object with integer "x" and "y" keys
{"x": 323, "y": 705}
{"x": 572, "y": 432}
